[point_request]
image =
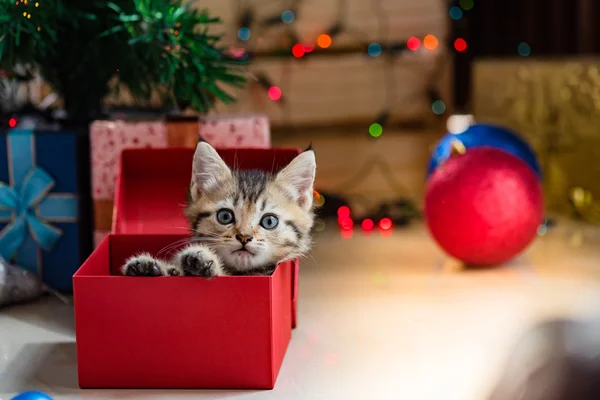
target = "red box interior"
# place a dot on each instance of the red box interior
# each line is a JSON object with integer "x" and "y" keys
{"x": 177, "y": 332}
{"x": 153, "y": 183}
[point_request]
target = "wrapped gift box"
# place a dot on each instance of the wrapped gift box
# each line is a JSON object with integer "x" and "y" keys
{"x": 110, "y": 138}
{"x": 555, "y": 105}
{"x": 44, "y": 226}
{"x": 177, "y": 332}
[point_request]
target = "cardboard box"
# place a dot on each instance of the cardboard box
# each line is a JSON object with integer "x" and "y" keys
{"x": 177, "y": 332}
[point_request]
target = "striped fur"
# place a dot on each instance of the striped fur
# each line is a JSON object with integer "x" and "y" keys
{"x": 250, "y": 195}
{"x": 242, "y": 246}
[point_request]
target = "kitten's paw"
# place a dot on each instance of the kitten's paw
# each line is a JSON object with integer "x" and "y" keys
{"x": 146, "y": 265}
{"x": 142, "y": 265}
{"x": 199, "y": 261}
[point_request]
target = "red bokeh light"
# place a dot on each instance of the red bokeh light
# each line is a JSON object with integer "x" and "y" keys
{"x": 298, "y": 50}
{"x": 385, "y": 224}
{"x": 309, "y": 47}
{"x": 346, "y": 224}
{"x": 367, "y": 225}
{"x": 274, "y": 93}
{"x": 343, "y": 212}
{"x": 413, "y": 43}
{"x": 460, "y": 44}
{"x": 237, "y": 52}
{"x": 12, "y": 122}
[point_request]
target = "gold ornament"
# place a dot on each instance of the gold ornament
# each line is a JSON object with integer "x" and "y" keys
{"x": 457, "y": 148}
{"x": 584, "y": 206}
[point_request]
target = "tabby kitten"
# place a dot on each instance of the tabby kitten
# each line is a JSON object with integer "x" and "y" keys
{"x": 244, "y": 222}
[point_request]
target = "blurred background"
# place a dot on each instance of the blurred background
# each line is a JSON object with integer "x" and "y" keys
{"x": 373, "y": 85}
{"x": 361, "y": 80}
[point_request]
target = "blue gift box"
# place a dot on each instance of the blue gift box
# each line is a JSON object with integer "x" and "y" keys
{"x": 41, "y": 205}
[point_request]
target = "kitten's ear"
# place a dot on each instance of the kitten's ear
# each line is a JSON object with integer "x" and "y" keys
{"x": 298, "y": 178}
{"x": 209, "y": 170}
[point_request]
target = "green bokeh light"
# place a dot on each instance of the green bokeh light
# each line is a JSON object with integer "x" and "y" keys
{"x": 524, "y": 49}
{"x": 466, "y": 4}
{"x": 438, "y": 107}
{"x": 375, "y": 130}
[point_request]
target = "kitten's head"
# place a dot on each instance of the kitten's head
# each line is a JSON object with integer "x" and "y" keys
{"x": 252, "y": 219}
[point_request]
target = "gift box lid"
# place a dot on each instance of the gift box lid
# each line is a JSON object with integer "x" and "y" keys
{"x": 152, "y": 185}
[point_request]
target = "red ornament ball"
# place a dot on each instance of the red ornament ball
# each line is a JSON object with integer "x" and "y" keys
{"x": 484, "y": 207}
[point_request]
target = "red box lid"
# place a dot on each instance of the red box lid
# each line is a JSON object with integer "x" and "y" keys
{"x": 152, "y": 185}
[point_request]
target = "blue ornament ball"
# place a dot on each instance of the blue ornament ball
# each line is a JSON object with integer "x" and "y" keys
{"x": 32, "y": 396}
{"x": 479, "y": 135}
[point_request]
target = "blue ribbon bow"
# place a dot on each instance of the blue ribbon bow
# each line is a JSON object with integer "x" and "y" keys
{"x": 29, "y": 207}
{"x": 35, "y": 186}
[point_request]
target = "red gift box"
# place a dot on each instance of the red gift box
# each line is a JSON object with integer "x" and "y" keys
{"x": 177, "y": 332}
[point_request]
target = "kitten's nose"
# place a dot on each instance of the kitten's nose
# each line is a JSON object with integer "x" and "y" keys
{"x": 243, "y": 239}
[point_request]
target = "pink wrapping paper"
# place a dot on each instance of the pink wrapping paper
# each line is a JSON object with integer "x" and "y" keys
{"x": 108, "y": 139}
{"x": 236, "y": 130}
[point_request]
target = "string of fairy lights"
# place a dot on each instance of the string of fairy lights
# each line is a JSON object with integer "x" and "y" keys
{"x": 251, "y": 30}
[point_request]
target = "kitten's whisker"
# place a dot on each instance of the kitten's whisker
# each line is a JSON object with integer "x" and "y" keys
{"x": 166, "y": 251}
{"x": 206, "y": 234}
{"x": 206, "y": 239}
{"x": 173, "y": 245}
{"x": 186, "y": 228}
{"x": 312, "y": 258}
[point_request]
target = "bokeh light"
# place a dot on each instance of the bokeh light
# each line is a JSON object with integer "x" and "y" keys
{"x": 237, "y": 52}
{"x": 460, "y": 44}
{"x": 374, "y": 49}
{"x": 12, "y": 122}
{"x": 319, "y": 199}
{"x": 244, "y": 33}
{"x": 430, "y": 42}
{"x": 343, "y": 212}
{"x": 524, "y": 49}
{"x": 375, "y": 130}
{"x": 438, "y": 107}
{"x": 466, "y": 4}
{"x": 367, "y": 225}
{"x": 324, "y": 40}
{"x": 308, "y": 47}
{"x": 346, "y": 223}
{"x": 456, "y": 13}
{"x": 542, "y": 230}
{"x": 274, "y": 93}
{"x": 413, "y": 43}
{"x": 288, "y": 16}
{"x": 298, "y": 50}
{"x": 385, "y": 224}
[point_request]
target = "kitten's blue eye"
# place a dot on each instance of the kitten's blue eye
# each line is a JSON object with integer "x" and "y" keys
{"x": 269, "y": 222}
{"x": 225, "y": 216}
